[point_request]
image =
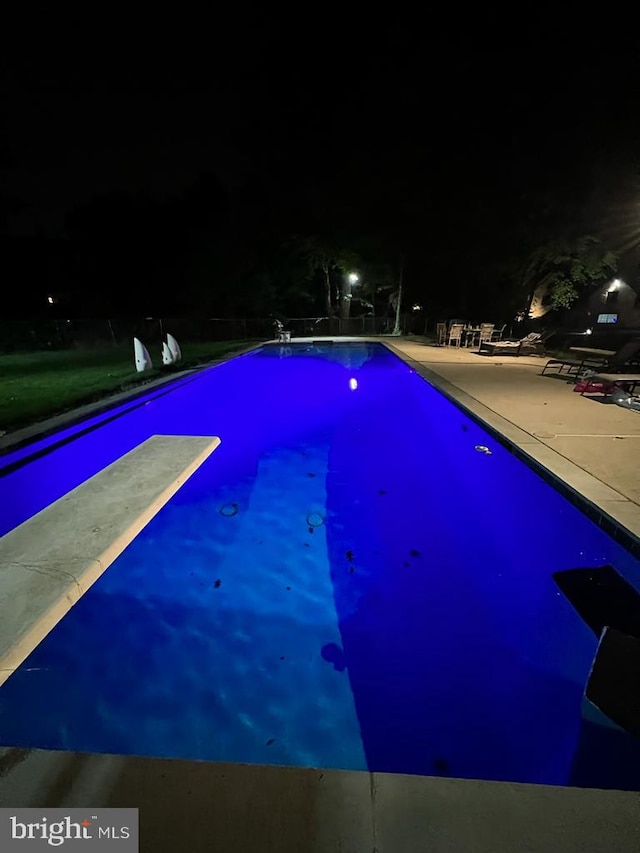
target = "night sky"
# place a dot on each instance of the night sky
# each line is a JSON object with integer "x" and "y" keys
{"x": 424, "y": 138}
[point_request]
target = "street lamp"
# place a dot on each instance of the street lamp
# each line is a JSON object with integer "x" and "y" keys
{"x": 352, "y": 278}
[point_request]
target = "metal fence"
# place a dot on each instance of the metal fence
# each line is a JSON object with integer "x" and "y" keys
{"x": 352, "y": 326}
{"x": 60, "y": 333}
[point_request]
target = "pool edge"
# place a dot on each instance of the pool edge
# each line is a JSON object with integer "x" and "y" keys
{"x": 25, "y": 436}
{"x": 610, "y": 510}
{"x": 200, "y": 806}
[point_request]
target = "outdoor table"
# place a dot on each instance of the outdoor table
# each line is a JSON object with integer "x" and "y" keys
{"x": 470, "y": 333}
{"x": 589, "y": 351}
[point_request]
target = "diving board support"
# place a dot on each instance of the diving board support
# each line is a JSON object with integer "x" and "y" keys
{"x": 50, "y": 561}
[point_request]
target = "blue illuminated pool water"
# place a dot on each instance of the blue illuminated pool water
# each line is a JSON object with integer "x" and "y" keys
{"x": 382, "y": 599}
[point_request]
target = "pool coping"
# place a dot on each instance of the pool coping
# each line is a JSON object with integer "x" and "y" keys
{"x": 204, "y": 806}
{"x": 613, "y": 512}
{"x": 24, "y": 436}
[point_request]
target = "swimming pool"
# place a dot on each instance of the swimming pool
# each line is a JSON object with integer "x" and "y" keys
{"x": 360, "y": 577}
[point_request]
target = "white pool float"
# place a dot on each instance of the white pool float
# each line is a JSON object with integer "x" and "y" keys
{"x": 174, "y": 348}
{"x": 167, "y": 355}
{"x": 142, "y": 357}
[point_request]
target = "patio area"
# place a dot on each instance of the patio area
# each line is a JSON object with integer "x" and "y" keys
{"x": 587, "y": 441}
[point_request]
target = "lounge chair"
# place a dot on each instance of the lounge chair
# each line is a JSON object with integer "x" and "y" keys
{"x": 531, "y": 344}
{"x": 627, "y": 354}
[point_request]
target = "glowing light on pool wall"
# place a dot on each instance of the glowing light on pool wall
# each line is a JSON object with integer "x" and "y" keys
{"x": 353, "y": 384}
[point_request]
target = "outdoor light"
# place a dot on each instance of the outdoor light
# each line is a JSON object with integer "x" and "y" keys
{"x": 589, "y": 332}
{"x": 353, "y": 278}
{"x": 615, "y": 285}
{"x": 353, "y": 384}
{"x": 50, "y": 300}
{"x": 417, "y": 307}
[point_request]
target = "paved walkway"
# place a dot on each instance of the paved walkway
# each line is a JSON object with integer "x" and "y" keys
{"x": 598, "y": 437}
{"x": 210, "y": 807}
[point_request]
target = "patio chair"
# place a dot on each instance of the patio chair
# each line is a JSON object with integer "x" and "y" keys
{"x": 455, "y": 334}
{"x": 441, "y": 334}
{"x": 486, "y": 331}
{"x": 282, "y": 335}
{"x": 629, "y": 353}
{"x": 497, "y": 334}
{"x": 531, "y": 344}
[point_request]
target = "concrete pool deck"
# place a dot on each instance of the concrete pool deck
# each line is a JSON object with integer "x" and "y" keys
{"x": 200, "y": 806}
{"x": 590, "y": 445}
{"x": 233, "y": 808}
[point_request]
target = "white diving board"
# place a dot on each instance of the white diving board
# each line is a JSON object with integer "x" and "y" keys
{"x": 50, "y": 561}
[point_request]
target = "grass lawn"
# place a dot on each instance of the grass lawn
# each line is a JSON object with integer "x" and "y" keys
{"x": 38, "y": 385}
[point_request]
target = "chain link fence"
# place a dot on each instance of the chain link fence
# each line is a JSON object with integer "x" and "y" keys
{"x": 351, "y": 327}
{"x": 61, "y": 334}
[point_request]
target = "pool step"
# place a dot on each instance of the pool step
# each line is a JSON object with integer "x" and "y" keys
{"x": 612, "y": 687}
{"x": 602, "y": 597}
{"x": 50, "y": 561}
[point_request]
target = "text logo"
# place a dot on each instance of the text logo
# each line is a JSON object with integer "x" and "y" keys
{"x": 73, "y": 829}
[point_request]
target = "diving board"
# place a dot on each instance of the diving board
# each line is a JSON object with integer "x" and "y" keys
{"x": 50, "y": 561}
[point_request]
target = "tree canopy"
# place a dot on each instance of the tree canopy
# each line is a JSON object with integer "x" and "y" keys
{"x": 563, "y": 268}
{"x": 332, "y": 263}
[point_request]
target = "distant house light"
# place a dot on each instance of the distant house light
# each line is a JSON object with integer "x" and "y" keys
{"x": 615, "y": 285}
{"x": 417, "y": 307}
{"x": 50, "y": 300}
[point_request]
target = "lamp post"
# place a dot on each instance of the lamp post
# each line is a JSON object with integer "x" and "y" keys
{"x": 352, "y": 278}
{"x": 396, "y": 328}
